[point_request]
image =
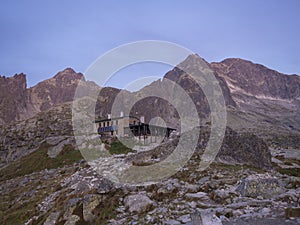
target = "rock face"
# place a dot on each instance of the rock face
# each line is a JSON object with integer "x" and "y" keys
{"x": 185, "y": 81}
{"x": 167, "y": 111}
{"x": 54, "y": 91}
{"x": 267, "y": 101}
{"x": 12, "y": 98}
{"x": 257, "y": 80}
{"x": 19, "y": 102}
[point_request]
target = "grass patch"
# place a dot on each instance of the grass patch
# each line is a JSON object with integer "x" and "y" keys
{"x": 289, "y": 171}
{"x": 106, "y": 210}
{"x": 19, "y": 215}
{"x": 118, "y": 148}
{"x": 235, "y": 167}
{"x": 39, "y": 160}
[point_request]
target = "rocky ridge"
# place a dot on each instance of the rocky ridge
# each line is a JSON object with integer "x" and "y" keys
{"x": 19, "y": 102}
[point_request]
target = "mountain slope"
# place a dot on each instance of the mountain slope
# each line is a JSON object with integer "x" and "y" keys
{"x": 268, "y": 102}
{"x": 245, "y": 77}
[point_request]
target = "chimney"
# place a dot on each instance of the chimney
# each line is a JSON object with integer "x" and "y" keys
{"x": 121, "y": 114}
{"x": 142, "y": 119}
{"x": 109, "y": 116}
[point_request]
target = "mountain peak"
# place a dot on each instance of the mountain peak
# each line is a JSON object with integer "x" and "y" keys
{"x": 69, "y": 74}
{"x": 69, "y": 70}
{"x": 193, "y": 59}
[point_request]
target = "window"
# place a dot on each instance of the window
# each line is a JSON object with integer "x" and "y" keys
{"x": 117, "y": 122}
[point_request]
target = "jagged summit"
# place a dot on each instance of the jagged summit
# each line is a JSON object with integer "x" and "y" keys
{"x": 193, "y": 59}
{"x": 18, "y": 102}
{"x": 69, "y": 74}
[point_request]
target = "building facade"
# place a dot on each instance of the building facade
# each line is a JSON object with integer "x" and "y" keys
{"x": 130, "y": 126}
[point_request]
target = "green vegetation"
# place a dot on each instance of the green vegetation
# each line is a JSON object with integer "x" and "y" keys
{"x": 106, "y": 210}
{"x": 38, "y": 161}
{"x": 289, "y": 171}
{"x": 16, "y": 208}
{"x": 235, "y": 167}
{"x": 19, "y": 214}
{"x": 118, "y": 148}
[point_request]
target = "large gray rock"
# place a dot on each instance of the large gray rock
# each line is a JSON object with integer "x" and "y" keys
{"x": 138, "y": 203}
{"x": 58, "y": 147}
{"x": 260, "y": 185}
{"x": 205, "y": 217}
{"x": 198, "y": 195}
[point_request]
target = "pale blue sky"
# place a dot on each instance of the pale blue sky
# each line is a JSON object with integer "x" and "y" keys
{"x": 41, "y": 38}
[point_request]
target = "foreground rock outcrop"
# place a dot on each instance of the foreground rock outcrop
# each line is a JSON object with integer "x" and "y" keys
{"x": 237, "y": 148}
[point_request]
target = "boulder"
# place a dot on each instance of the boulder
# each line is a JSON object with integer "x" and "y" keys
{"x": 198, "y": 195}
{"x": 205, "y": 217}
{"x": 260, "y": 185}
{"x": 58, "y": 147}
{"x": 138, "y": 203}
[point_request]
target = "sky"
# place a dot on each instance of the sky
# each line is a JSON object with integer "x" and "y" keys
{"x": 40, "y": 38}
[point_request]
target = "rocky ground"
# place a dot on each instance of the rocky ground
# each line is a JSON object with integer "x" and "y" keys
{"x": 222, "y": 194}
